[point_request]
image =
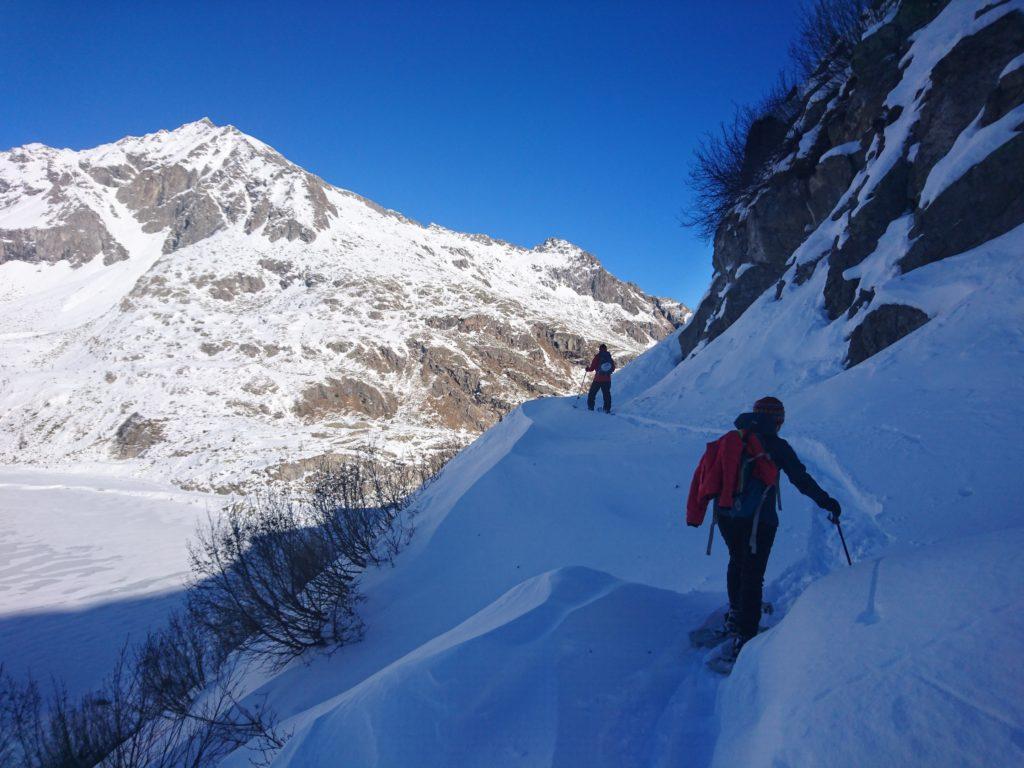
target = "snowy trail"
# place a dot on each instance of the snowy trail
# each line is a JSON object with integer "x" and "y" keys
{"x": 604, "y": 495}
{"x": 555, "y": 488}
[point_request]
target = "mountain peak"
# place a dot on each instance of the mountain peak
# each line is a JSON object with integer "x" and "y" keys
{"x": 261, "y": 247}
{"x": 206, "y": 127}
{"x": 558, "y": 245}
{"x": 197, "y": 142}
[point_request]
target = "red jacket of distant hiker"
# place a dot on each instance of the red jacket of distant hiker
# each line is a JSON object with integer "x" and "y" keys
{"x": 595, "y": 365}
{"x": 719, "y": 471}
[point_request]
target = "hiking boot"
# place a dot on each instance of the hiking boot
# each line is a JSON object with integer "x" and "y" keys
{"x": 723, "y": 658}
{"x": 737, "y": 645}
{"x": 731, "y": 627}
{"x": 730, "y": 650}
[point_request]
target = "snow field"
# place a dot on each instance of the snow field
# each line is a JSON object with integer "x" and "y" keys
{"x": 87, "y": 561}
{"x": 914, "y": 657}
{"x": 569, "y": 667}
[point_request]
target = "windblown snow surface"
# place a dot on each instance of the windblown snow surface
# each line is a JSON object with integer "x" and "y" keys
{"x": 540, "y": 614}
{"x": 87, "y": 561}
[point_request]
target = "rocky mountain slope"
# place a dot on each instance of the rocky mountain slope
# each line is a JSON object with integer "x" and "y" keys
{"x": 905, "y": 155}
{"x": 191, "y": 301}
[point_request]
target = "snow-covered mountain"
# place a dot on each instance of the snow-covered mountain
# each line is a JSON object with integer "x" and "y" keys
{"x": 539, "y": 614}
{"x": 190, "y": 301}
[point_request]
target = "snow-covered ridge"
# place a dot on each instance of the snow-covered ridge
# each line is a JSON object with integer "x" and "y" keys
{"x": 191, "y": 302}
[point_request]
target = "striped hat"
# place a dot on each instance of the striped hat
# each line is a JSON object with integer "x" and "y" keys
{"x": 772, "y": 406}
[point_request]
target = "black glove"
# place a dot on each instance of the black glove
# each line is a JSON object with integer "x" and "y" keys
{"x": 693, "y": 525}
{"x": 834, "y": 511}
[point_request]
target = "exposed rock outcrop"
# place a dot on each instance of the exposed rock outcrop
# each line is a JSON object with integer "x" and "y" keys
{"x": 899, "y": 136}
{"x": 344, "y": 395}
{"x": 77, "y": 238}
{"x": 136, "y": 435}
{"x": 881, "y": 328}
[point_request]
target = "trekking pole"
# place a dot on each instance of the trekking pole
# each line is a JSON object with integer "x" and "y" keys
{"x": 583, "y": 386}
{"x": 842, "y": 538}
{"x": 711, "y": 533}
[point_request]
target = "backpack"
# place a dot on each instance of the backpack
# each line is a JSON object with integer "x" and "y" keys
{"x": 735, "y": 468}
{"x": 606, "y": 365}
{"x": 751, "y": 491}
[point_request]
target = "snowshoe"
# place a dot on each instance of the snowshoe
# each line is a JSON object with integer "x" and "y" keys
{"x": 718, "y": 627}
{"x": 723, "y": 659}
{"x": 713, "y": 631}
{"x": 708, "y": 637}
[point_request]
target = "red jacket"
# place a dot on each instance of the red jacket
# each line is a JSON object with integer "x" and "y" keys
{"x": 595, "y": 364}
{"x": 719, "y": 470}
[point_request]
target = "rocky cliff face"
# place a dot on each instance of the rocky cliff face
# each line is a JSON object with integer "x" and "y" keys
{"x": 192, "y": 302}
{"x": 910, "y": 155}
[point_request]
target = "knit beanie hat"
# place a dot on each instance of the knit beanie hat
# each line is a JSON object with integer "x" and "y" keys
{"x": 771, "y": 406}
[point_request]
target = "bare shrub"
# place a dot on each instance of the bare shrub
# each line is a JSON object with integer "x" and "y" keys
{"x": 176, "y": 663}
{"x": 268, "y": 581}
{"x": 8, "y": 739}
{"x": 273, "y": 576}
{"x": 125, "y": 723}
{"x": 277, "y": 574}
{"x": 827, "y": 32}
{"x": 724, "y": 167}
{"x": 198, "y": 728}
{"x": 726, "y": 164}
{"x": 359, "y": 504}
{"x": 716, "y": 177}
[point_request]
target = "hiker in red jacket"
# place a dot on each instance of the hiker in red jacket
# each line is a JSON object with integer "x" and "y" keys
{"x": 740, "y": 472}
{"x": 603, "y": 366}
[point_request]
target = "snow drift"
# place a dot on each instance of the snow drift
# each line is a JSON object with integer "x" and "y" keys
{"x": 470, "y": 659}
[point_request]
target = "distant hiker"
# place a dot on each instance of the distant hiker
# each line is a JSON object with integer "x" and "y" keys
{"x": 602, "y": 365}
{"x": 740, "y": 471}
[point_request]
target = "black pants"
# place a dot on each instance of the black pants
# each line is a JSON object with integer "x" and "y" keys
{"x": 606, "y": 394}
{"x": 745, "y": 577}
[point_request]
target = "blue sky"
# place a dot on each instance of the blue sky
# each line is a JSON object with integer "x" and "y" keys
{"x": 522, "y": 120}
